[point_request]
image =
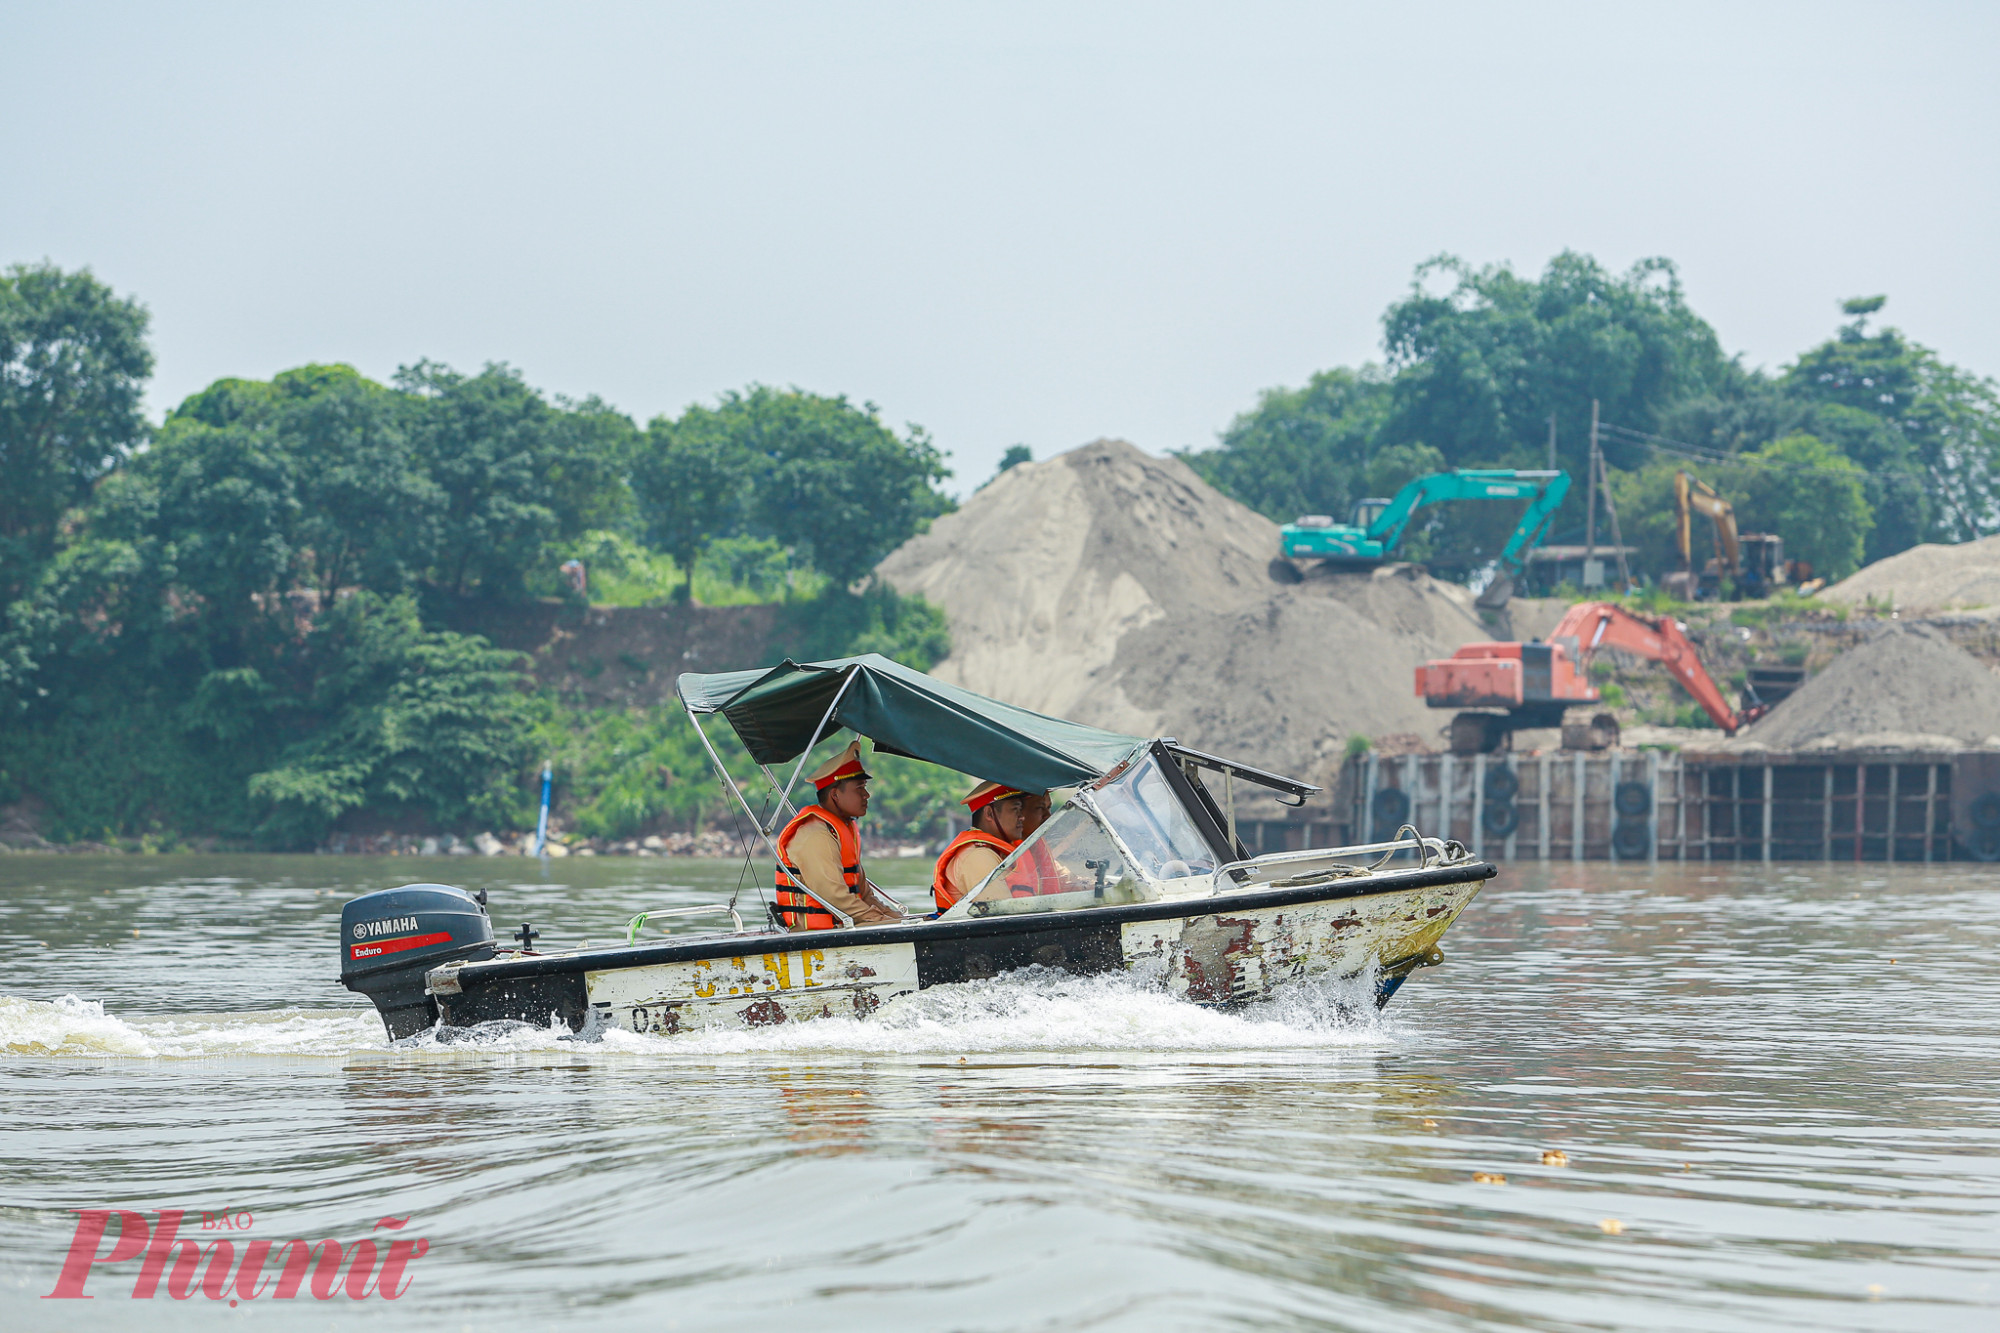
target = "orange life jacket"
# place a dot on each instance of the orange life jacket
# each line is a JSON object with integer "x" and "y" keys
{"x": 798, "y": 910}
{"x": 1035, "y": 873}
{"x": 942, "y": 889}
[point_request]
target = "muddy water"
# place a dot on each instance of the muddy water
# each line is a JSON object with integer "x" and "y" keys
{"x": 1777, "y": 1090}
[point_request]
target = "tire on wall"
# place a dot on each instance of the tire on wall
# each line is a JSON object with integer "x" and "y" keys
{"x": 1986, "y": 811}
{"x": 1631, "y": 840}
{"x": 1632, "y": 798}
{"x": 1500, "y": 819}
{"x": 1389, "y": 810}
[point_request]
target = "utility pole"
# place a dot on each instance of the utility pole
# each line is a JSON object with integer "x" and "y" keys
{"x": 1552, "y": 442}
{"x": 1590, "y": 486}
{"x": 1617, "y": 537}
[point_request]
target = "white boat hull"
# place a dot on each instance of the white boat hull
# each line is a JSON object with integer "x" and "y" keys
{"x": 1223, "y": 956}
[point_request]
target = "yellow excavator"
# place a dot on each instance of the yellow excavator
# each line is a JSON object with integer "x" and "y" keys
{"x": 1755, "y": 560}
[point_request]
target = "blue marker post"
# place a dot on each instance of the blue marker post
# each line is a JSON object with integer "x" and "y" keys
{"x": 542, "y": 824}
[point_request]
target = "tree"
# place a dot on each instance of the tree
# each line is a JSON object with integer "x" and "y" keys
{"x": 1942, "y": 422}
{"x": 1807, "y": 492}
{"x": 515, "y": 472}
{"x": 369, "y": 512}
{"x": 1799, "y": 487}
{"x": 690, "y": 480}
{"x": 213, "y": 514}
{"x": 1301, "y": 450}
{"x": 73, "y": 363}
{"x": 825, "y": 476}
{"x": 398, "y": 716}
{"x": 1479, "y": 371}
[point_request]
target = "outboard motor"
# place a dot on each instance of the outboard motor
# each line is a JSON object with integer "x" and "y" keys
{"x": 389, "y": 940}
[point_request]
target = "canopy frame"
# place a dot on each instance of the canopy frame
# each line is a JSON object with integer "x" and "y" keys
{"x": 910, "y": 707}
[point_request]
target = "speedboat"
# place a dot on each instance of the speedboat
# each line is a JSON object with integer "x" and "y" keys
{"x": 1140, "y": 870}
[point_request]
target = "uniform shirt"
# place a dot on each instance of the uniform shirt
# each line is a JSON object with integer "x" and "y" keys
{"x": 969, "y": 867}
{"x": 816, "y": 852}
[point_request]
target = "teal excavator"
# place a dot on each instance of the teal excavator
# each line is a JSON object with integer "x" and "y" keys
{"x": 1379, "y": 523}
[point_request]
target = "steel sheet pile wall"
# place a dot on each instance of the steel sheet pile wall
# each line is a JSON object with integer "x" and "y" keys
{"x": 1651, "y": 805}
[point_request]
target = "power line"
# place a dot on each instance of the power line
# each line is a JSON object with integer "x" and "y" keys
{"x": 1702, "y": 453}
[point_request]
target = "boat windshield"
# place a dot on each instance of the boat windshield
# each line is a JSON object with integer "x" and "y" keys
{"x": 1075, "y": 861}
{"x": 1149, "y": 818}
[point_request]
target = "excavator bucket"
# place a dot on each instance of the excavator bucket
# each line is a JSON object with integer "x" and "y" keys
{"x": 1496, "y": 594}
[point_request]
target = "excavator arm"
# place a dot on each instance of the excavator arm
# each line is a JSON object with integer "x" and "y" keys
{"x": 1534, "y": 525}
{"x": 1691, "y": 494}
{"x": 1471, "y": 484}
{"x": 1589, "y": 626}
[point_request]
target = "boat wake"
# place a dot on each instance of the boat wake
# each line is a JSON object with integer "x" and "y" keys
{"x": 1021, "y": 1012}
{"x": 73, "y": 1027}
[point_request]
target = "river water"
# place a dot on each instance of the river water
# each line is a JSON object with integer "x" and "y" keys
{"x": 1777, "y": 1090}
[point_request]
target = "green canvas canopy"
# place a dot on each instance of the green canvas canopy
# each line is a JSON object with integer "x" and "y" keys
{"x": 776, "y": 712}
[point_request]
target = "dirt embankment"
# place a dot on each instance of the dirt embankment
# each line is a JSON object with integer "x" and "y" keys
{"x": 622, "y": 655}
{"x": 1905, "y": 686}
{"x": 1121, "y": 590}
{"x": 1928, "y": 579}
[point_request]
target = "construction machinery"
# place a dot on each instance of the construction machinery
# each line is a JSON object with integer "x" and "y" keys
{"x": 1379, "y": 523}
{"x": 1755, "y": 560}
{"x": 1534, "y": 684}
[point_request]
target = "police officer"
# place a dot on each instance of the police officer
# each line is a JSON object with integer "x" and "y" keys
{"x": 821, "y": 850}
{"x": 998, "y": 812}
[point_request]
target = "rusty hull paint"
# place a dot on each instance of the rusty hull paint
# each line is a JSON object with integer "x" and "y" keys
{"x": 1231, "y": 958}
{"x": 753, "y": 990}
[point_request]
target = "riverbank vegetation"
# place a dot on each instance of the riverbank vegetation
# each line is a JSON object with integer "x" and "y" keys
{"x": 1861, "y": 447}
{"x": 234, "y": 625}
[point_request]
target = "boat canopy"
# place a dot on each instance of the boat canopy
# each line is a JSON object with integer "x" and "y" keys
{"x": 779, "y": 712}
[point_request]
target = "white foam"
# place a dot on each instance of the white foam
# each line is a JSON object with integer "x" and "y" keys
{"x": 1028, "y": 1011}
{"x": 68, "y": 1026}
{"x": 73, "y": 1027}
{"x": 1038, "y": 1011}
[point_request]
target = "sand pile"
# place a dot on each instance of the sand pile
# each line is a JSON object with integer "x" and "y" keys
{"x": 1908, "y": 687}
{"x": 1121, "y": 590}
{"x": 1965, "y": 577}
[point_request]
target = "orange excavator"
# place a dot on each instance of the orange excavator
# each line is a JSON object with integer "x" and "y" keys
{"x": 1533, "y": 684}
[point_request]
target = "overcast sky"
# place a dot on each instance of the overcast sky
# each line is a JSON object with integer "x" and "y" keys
{"x": 1010, "y": 223}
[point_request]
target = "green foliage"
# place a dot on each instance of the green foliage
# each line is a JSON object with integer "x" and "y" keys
{"x": 732, "y": 571}
{"x": 222, "y": 633}
{"x": 1357, "y": 746}
{"x": 1804, "y": 490}
{"x": 692, "y": 480}
{"x": 1612, "y": 693}
{"x": 1787, "y": 605}
{"x": 876, "y": 620}
{"x": 1939, "y": 426}
{"x": 1799, "y": 487}
{"x": 818, "y": 474}
{"x": 73, "y": 365}
{"x": 1398, "y": 465}
{"x": 397, "y": 717}
{"x": 1480, "y": 370}
{"x": 620, "y": 773}
{"x": 1301, "y": 450}
{"x": 740, "y": 570}
{"x": 514, "y": 472}
{"x": 1476, "y": 374}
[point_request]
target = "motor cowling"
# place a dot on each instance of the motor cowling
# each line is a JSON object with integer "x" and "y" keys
{"x": 389, "y": 940}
